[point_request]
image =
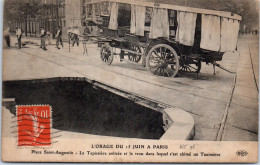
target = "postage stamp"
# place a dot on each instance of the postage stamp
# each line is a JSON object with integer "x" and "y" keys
{"x": 34, "y": 125}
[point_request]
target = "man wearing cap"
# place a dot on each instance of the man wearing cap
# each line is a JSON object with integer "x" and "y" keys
{"x": 43, "y": 38}
{"x": 58, "y": 37}
{"x": 69, "y": 33}
{"x": 19, "y": 36}
{"x": 75, "y": 36}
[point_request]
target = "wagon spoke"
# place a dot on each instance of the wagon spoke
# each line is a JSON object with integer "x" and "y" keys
{"x": 160, "y": 71}
{"x": 157, "y": 69}
{"x": 167, "y": 72}
{"x": 163, "y": 70}
{"x": 192, "y": 67}
{"x": 155, "y": 53}
{"x": 172, "y": 67}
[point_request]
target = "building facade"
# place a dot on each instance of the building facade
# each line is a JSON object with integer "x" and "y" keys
{"x": 49, "y": 15}
{"x": 73, "y": 14}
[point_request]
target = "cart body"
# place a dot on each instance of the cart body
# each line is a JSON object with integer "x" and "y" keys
{"x": 168, "y": 38}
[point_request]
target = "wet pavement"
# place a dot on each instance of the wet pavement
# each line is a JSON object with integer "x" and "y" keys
{"x": 224, "y": 106}
{"x": 242, "y": 115}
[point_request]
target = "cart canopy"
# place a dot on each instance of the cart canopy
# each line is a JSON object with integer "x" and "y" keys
{"x": 219, "y": 29}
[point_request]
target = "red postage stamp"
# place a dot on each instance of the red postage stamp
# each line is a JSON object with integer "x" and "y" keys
{"x": 34, "y": 125}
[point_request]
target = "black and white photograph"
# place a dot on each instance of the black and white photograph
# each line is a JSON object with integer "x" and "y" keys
{"x": 142, "y": 81}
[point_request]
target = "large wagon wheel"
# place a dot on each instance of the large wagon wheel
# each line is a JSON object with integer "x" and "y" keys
{"x": 163, "y": 60}
{"x": 135, "y": 57}
{"x": 106, "y": 54}
{"x": 190, "y": 65}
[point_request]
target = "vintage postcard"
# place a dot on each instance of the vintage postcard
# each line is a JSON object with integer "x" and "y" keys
{"x": 142, "y": 81}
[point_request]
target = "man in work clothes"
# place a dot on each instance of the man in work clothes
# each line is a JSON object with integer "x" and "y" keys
{"x": 69, "y": 33}
{"x": 43, "y": 39}
{"x": 85, "y": 39}
{"x": 59, "y": 37}
{"x": 19, "y": 37}
{"x": 75, "y": 36}
{"x": 6, "y": 34}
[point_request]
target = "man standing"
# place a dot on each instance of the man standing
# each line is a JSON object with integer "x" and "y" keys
{"x": 48, "y": 37}
{"x": 43, "y": 39}
{"x": 69, "y": 33}
{"x": 59, "y": 37}
{"x": 7, "y": 36}
{"x": 75, "y": 36}
{"x": 85, "y": 39}
{"x": 19, "y": 37}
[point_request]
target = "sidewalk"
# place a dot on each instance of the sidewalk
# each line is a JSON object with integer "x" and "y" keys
{"x": 242, "y": 116}
{"x": 205, "y": 98}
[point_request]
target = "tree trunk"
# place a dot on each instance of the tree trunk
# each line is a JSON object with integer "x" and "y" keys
{"x": 30, "y": 28}
{"x": 25, "y": 30}
{"x": 34, "y": 28}
{"x": 57, "y": 13}
{"x": 52, "y": 19}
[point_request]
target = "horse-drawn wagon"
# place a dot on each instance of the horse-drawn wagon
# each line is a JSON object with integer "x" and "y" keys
{"x": 168, "y": 38}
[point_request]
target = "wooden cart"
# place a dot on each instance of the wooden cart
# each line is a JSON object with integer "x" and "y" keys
{"x": 168, "y": 38}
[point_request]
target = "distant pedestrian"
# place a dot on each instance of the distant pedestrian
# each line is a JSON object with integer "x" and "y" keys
{"x": 69, "y": 33}
{"x": 58, "y": 37}
{"x": 43, "y": 39}
{"x": 85, "y": 40}
{"x": 75, "y": 36}
{"x": 48, "y": 37}
{"x": 7, "y": 36}
{"x": 19, "y": 36}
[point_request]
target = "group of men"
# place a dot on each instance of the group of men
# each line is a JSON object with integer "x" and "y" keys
{"x": 43, "y": 35}
{"x": 73, "y": 34}
{"x": 46, "y": 35}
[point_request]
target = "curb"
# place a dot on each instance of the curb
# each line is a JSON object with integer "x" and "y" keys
{"x": 179, "y": 125}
